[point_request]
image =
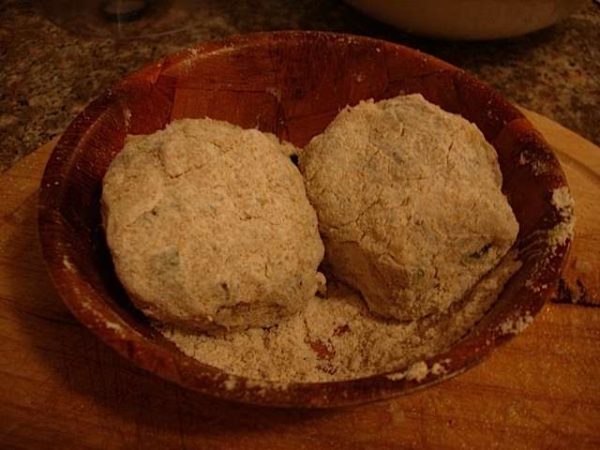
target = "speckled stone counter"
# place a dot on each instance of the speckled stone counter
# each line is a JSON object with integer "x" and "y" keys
{"x": 47, "y": 75}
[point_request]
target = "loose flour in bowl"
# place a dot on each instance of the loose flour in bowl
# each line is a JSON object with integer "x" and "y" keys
{"x": 336, "y": 338}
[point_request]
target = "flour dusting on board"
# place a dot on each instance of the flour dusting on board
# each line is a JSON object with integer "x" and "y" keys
{"x": 564, "y": 204}
{"x": 517, "y": 325}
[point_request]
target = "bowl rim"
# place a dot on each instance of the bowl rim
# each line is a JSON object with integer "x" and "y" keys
{"x": 170, "y": 363}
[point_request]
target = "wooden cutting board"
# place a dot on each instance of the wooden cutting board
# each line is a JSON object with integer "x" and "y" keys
{"x": 60, "y": 387}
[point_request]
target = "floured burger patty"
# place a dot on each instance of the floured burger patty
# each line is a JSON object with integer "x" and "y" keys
{"x": 209, "y": 226}
{"x": 409, "y": 204}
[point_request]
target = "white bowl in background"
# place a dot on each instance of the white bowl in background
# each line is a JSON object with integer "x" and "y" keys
{"x": 468, "y": 19}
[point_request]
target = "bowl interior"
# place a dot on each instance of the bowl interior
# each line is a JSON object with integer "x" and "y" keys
{"x": 291, "y": 84}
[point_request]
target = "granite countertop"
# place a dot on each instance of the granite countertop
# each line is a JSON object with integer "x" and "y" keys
{"x": 48, "y": 74}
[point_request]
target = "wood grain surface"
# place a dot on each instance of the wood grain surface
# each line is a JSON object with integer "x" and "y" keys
{"x": 581, "y": 161}
{"x": 60, "y": 387}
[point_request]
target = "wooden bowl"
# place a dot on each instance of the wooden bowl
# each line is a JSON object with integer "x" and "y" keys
{"x": 292, "y": 84}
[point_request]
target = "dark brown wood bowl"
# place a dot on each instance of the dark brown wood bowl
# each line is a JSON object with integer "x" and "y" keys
{"x": 292, "y": 84}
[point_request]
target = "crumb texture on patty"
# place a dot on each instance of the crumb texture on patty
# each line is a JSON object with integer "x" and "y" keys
{"x": 409, "y": 203}
{"x": 209, "y": 226}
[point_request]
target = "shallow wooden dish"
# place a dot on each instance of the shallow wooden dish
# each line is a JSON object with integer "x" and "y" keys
{"x": 292, "y": 84}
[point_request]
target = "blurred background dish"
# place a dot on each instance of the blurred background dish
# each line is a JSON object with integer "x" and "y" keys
{"x": 119, "y": 18}
{"x": 469, "y": 19}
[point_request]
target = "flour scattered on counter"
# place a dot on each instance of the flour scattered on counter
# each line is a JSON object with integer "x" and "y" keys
{"x": 127, "y": 116}
{"x": 230, "y": 383}
{"x": 68, "y": 265}
{"x": 438, "y": 369}
{"x": 564, "y": 204}
{"x": 523, "y": 159}
{"x": 418, "y": 372}
{"x": 516, "y": 326}
{"x": 539, "y": 167}
{"x": 114, "y": 326}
